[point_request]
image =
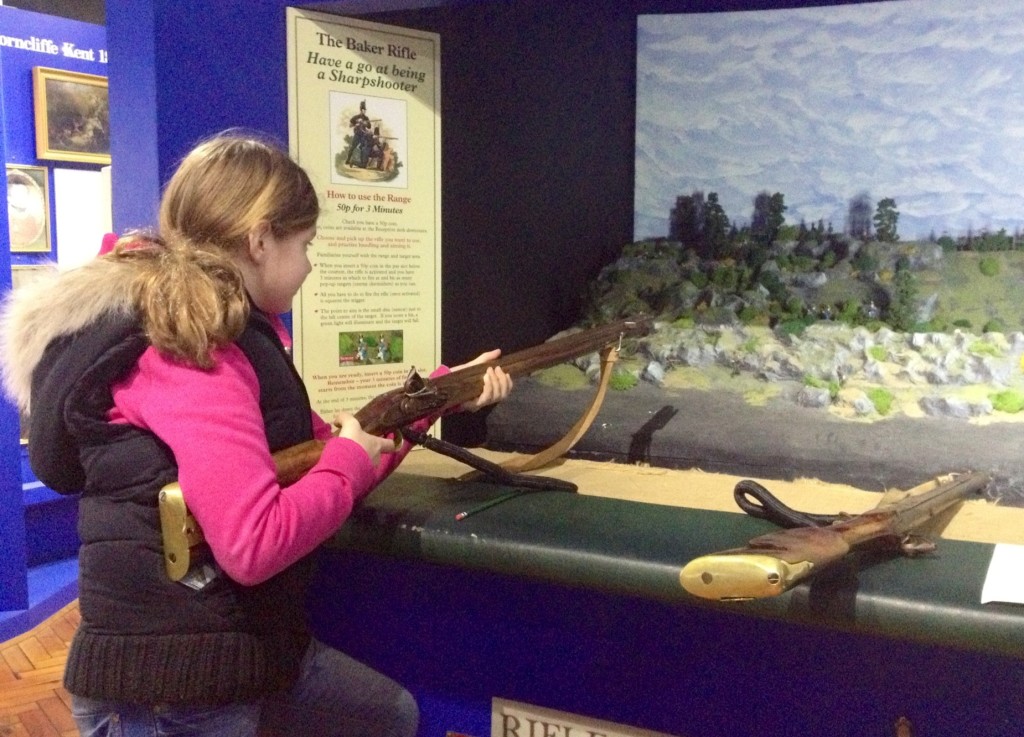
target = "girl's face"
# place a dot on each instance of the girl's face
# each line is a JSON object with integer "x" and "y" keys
{"x": 281, "y": 265}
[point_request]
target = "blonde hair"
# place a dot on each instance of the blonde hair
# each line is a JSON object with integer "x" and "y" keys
{"x": 229, "y": 184}
{"x": 189, "y": 291}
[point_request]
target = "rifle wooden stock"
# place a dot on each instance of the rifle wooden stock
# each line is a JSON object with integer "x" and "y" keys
{"x": 774, "y": 563}
{"x": 293, "y": 463}
{"x": 425, "y": 397}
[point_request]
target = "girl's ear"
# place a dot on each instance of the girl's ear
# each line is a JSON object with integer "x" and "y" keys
{"x": 257, "y": 245}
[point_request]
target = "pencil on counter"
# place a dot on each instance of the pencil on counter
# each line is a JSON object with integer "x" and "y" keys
{"x": 486, "y": 505}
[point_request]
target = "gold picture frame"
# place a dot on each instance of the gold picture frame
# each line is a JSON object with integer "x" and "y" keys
{"x": 28, "y": 208}
{"x": 72, "y": 115}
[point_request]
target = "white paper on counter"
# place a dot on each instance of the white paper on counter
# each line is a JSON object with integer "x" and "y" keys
{"x": 1004, "y": 581}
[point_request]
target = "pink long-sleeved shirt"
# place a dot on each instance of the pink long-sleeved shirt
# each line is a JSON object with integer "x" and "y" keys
{"x": 212, "y": 423}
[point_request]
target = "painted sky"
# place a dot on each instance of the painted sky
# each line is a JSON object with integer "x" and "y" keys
{"x": 918, "y": 100}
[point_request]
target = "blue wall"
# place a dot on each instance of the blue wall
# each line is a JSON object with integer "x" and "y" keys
{"x": 18, "y": 147}
{"x": 182, "y": 71}
{"x": 13, "y": 579}
{"x": 17, "y": 64}
{"x": 17, "y": 69}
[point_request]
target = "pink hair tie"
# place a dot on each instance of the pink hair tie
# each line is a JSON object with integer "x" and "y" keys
{"x": 109, "y": 241}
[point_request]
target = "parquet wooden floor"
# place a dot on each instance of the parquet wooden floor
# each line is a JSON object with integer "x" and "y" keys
{"x": 33, "y": 703}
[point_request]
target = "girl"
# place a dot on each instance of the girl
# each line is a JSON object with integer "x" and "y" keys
{"x": 163, "y": 360}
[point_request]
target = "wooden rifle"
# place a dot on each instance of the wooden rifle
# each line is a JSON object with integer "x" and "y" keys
{"x": 420, "y": 397}
{"x": 773, "y": 563}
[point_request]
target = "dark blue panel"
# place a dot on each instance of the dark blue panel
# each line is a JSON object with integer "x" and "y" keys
{"x": 184, "y": 71}
{"x": 219, "y": 68}
{"x": 457, "y": 638}
{"x": 135, "y": 181}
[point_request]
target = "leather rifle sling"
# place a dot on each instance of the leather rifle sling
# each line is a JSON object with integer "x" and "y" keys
{"x": 555, "y": 451}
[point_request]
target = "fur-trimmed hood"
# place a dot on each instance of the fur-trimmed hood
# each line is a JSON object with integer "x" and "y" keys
{"x": 55, "y": 304}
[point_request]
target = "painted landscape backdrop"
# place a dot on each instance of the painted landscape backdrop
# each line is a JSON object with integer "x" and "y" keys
{"x": 828, "y": 226}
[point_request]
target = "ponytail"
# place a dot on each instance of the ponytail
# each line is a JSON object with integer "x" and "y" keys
{"x": 191, "y": 301}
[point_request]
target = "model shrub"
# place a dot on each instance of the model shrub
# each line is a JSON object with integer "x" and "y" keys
{"x": 621, "y": 381}
{"x": 995, "y": 325}
{"x": 981, "y": 348}
{"x": 989, "y": 265}
{"x": 1010, "y": 401}
{"x": 882, "y": 399}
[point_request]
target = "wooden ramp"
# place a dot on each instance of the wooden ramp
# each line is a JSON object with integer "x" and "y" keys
{"x": 33, "y": 703}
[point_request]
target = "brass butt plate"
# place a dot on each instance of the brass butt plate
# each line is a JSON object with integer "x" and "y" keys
{"x": 740, "y": 576}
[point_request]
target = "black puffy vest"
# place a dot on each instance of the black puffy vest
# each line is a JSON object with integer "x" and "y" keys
{"x": 143, "y": 638}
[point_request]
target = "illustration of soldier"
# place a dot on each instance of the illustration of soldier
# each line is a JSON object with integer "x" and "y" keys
{"x": 368, "y": 156}
{"x": 362, "y": 139}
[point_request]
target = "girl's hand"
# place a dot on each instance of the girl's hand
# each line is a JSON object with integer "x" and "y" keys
{"x": 348, "y": 427}
{"x": 497, "y": 384}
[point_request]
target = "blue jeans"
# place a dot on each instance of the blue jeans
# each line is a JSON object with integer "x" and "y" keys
{"x": 335, "y": 696}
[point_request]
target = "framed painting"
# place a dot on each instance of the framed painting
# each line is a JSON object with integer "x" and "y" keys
{"x": 28, "y": 208}
{"x": 72, "y": 116}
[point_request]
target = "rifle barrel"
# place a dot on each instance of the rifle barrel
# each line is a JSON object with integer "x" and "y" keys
{"x": 557, "y": 350}
{"x": 917, "y": 509}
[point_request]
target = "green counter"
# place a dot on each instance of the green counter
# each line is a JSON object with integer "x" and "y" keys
{"x": 634, "y": 549}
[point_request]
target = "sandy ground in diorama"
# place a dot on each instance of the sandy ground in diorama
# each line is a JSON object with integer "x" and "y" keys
{"x": 974, "y": 521}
